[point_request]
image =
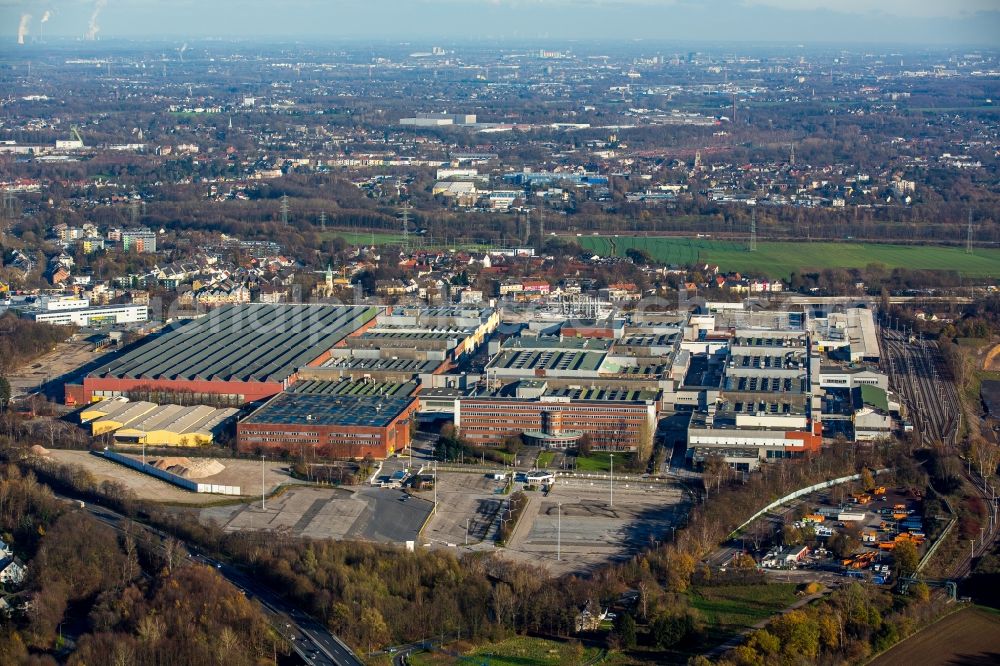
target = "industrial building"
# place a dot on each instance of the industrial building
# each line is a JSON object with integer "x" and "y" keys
{"x": 156, "y": 425}
{"x": 439, "y": 334}
{"x": 849, "y": 335}
{"x": 231, "y": 356}
{"x": 342, "y": 419}
{"x": 768, "y": 404}
{"x": 439, "y": 119}
{"x": 614, "y": 420}
{"x": 91, "y": 317}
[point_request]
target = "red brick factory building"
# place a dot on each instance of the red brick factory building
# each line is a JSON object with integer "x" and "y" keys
{"x": 345, "y": 419}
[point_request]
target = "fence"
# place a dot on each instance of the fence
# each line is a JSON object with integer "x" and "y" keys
{"x": 169, "y": 477}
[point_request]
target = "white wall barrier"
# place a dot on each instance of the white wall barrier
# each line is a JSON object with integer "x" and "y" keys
{"x": 169, "y": 477}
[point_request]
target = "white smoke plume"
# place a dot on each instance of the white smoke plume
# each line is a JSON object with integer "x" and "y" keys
{"x": 93, "y": 28}
{"x": 181, "y": 51}
{"x": 46, "y": 16}
{"x": 22, "y": 28}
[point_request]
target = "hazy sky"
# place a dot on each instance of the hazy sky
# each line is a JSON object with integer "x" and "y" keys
{"x": 809, "y": 21}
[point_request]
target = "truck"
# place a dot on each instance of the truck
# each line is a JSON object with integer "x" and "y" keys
{"x": 850, "y": 516}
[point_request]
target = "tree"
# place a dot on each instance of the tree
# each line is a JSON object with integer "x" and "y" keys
{"x": 669, "y": 629}
{"x": 680, "y": 567}
{"x": 626, "y": 631}
{"x": 4, "y": 392}
{"x": 867, "y": 480}
{"x": 906, "y": 559}
{"x": 920, "y": 592}
{"x": 585, "y": 445}
{"x": 798, "y": 633}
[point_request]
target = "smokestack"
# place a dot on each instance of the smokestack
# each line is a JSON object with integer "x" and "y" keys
{"x": 41, "y": 24}
{"x": 93, "y": 28}
{"x": 22, "y": 28}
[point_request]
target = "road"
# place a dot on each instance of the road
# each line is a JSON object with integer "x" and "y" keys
{"x": 310, "y": 639}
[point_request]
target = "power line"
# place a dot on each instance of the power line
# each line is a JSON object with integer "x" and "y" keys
{"x": 753, "y": 230}
{"x": 284, "y": 209}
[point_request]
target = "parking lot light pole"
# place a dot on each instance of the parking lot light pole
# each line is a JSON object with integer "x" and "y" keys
{"x": 612, "y": 456}
{"x": 263, "y": 487}
{"x": 467, "y": 531}
{"x": 559, "y": 534}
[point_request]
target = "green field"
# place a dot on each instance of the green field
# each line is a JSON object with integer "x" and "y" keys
{"x": 781, "y": 259}
{"x": 596, "y": 462}
{"x": 363, "y": 237}
{"x": 517, "y": 651}
{"x": 728, "y": 609}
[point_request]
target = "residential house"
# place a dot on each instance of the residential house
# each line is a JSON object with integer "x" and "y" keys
{"x": 12, "y": 571}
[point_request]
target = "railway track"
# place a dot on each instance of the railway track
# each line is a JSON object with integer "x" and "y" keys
{"x": 917, "y": 373}
{"x": 982, "y": 545}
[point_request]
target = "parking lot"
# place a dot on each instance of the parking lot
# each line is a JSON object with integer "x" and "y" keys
{"x": 63, "y": 360}
{"x": 589, "y": 531}
{"x": 369, "y": 514}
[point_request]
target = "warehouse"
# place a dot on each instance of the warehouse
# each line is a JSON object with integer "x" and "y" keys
{"x": 157, "y": 425}
{"x": 231, "y": 356}
{"x": 342, "y": 419}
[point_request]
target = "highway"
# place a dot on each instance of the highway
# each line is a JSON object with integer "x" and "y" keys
{"x": 310, "y": 639}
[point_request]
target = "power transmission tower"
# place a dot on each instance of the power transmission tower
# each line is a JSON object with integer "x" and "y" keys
{"x": 968, "y": 236}
{"x": 753, "y": 230}
{"x": 284, "y": 209}
{"x": 541, "y": 224}
{"x": 406, "y": 226}
{"x": 322, "y": 220}
{"x": 9, "y": 203}
{"x": 527, "y": 225}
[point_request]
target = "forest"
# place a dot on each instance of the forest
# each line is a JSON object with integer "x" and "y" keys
{"x": 96, "y": 596}
{"x": 23, "y": 340}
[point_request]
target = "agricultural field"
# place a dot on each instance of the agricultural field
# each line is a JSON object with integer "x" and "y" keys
{"x": 781, "y": 259}
{"x": 968, "y": 636}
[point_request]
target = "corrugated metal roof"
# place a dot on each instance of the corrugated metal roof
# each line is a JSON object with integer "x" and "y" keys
{"x": 250, "y": 342}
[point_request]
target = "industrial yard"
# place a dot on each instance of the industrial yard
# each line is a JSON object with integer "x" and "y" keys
{"x": 243, "y": 473}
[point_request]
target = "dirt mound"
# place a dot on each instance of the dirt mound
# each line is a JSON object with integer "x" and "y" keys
{"x": 38, "y": 450}
{"x": 189, "y": 469}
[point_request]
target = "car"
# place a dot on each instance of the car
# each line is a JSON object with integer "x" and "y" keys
{"x": 404, "y": 498}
